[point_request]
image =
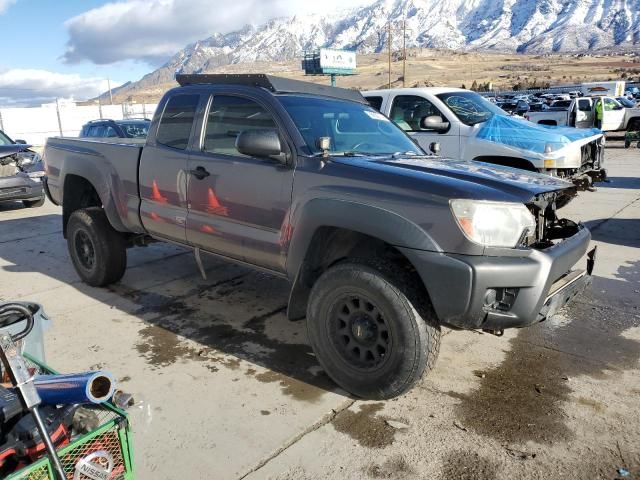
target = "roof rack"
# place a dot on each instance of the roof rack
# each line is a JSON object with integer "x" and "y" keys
{"x": 97, "y": 120}
{"x": 271, "y": 83}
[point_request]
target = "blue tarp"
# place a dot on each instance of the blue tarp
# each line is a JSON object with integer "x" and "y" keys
{"x": 523, "y": 134}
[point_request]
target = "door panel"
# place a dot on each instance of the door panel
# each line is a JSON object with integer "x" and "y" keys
{"x": 162, "y": 174}
{"x": 584, "y": 113}
{"x": 408, "y": 110}
{"x": 613, "y": 115}
{"x": 241, "y": 206}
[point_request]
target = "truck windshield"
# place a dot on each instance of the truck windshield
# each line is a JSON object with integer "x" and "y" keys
{"x": 469, "y": 107}
{"x": 352, "y": 128}
{"x": 4, "y": 140}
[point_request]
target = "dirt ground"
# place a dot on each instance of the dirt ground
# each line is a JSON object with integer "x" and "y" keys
{"x": 231, "y": 389}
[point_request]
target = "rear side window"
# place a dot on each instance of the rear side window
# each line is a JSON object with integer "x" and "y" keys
{"x": 375, "y": 102}
{"x": 176, "y": 121}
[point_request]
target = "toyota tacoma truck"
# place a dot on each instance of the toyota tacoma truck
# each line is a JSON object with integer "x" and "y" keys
{"x": 382, "y": 243}
{"x": 467, "y": 126}
{"x": 581, "y": 113}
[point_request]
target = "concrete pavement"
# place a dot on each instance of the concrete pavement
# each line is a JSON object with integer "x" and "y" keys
{"x": 233, "y": 390}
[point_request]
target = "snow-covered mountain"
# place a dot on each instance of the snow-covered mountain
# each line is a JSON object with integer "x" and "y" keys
{"x": 532, "y": 26}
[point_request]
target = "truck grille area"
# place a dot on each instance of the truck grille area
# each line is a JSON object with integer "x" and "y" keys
{"x": 550, "y": 229}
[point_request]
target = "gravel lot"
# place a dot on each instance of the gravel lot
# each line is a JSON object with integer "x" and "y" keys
{"x": 233, "y": 390}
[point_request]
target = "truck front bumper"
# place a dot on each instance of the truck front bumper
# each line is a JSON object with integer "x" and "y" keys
{"x": 20, "y": 187}
{"x": 494, "y": 293}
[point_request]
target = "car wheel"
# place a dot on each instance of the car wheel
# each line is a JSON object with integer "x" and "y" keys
{"x": 370, "y": 331}
{"x": 33, "y": 203}
{"x": 98, "y": 252}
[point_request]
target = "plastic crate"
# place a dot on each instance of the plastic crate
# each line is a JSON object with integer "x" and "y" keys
{"x": 631, "y": 137}
{"x": 113, "y": 436}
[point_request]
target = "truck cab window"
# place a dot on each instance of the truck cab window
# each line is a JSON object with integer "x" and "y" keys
{"x": 408, "y": 110}
{"x": 375, "y": 102}
{"x": 176, "y": 121}
{"x": 110, "y": 132}
{"x": 228, "y": 117}
{"x": 584, "y": 105}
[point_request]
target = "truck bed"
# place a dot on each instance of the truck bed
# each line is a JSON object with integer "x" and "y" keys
{"x": 111, "y": 164}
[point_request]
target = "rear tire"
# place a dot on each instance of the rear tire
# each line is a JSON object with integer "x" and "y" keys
{"x": 370, "y": 330}
{"x": 33, "y": 203}
{"x": 98, "y": 252}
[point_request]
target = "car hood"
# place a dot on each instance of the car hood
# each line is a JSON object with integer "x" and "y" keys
{"x": 516, "y": 183}
{"x": 8, "y": 150}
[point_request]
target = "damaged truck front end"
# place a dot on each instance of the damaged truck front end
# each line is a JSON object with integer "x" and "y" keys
{"x": 513, "y": 287}
{"x": 21, "y": 172}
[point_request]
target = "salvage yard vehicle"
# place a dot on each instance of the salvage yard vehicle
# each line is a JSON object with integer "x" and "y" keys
{"x": 382, "y": 243}
{"x": 580, "y": 113}
{"x": 128, "y": 128}
{"x": 469, "y": 127}
{"x": 21, "y": 170}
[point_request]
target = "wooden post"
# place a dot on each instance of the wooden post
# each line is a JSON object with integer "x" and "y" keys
{"x": 389, "y": 47}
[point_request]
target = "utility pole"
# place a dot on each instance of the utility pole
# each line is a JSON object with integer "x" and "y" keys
{"x": 109, "y": 86}
{"x": 1, "y": 123}
{"x": 100, "y": 107}
{"x": 389, "y": 48}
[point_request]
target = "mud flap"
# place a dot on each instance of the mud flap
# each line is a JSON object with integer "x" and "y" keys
{"x": 591, "y": 259}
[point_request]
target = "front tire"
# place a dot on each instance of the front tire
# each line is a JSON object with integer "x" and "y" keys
{"x": 98, "y": 252}
{"x": 369, "y": 329}
{"x": 33, "y": 203}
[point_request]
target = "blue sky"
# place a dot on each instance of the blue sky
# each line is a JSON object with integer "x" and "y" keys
{"x": 68, "y": 48}
{"x": 36, "y": 32}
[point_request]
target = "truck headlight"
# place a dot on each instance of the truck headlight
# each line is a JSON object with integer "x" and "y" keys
{"x": 493, "y": 224}
{"x": 36, "y": 174}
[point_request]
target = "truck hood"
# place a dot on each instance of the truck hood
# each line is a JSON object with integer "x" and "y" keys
{"x": 532, "y": 137}
{"x": 8, "y": 150}
{"x": 518, "y": 184}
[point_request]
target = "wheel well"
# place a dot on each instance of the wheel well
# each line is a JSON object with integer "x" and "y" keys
{"x": 78, "y": 193}
{"x": 548, "y": 122}
{"x": 633, "y": 125}
{"x": 508, "y": 162}
{"x": 330, "y": 245}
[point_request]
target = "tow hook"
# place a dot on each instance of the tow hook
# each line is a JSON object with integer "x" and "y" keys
{"x": 497, "y": 333}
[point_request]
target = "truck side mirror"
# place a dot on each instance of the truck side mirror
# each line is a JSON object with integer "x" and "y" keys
{"x": 259, "y": 143}
{"x": 435, "y": 123}
{"x": 21, "y": 142}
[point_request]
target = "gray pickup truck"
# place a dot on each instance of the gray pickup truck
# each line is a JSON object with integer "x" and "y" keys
{"x": 383, "y": 244}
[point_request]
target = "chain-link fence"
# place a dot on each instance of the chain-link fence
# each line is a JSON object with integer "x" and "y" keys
{"x": 35, "y": 124}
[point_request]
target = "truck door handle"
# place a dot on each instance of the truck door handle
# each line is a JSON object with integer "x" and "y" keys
{"x": 199, "y": 173}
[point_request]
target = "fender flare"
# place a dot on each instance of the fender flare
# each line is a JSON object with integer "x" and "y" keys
{"x": 100, "y": 175}
{"x": 366, "y": 219}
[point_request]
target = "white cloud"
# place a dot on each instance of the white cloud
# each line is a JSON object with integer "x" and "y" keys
{"x": 21, "y": 87}
{"x": 5, "y": 4}
{"x": 154, "y": 30}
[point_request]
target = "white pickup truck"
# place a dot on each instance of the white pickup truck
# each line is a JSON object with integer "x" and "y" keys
{"x": 467, "y": 126}
{"x": 581, "y": 114}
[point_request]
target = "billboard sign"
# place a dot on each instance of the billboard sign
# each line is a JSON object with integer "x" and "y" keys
{"x": 328, "y": 61}
{"x": 331, "y": 59}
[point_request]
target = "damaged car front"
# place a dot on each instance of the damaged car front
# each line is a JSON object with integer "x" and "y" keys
{"x": 21, "y": 172}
